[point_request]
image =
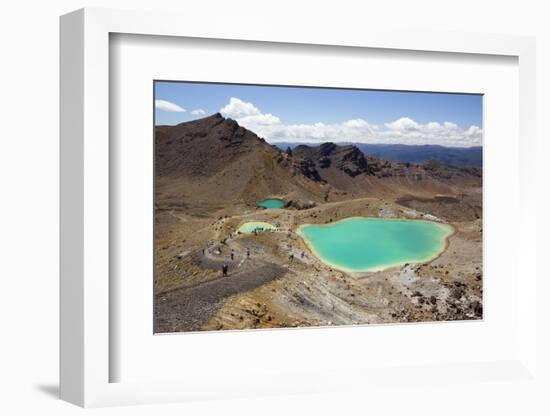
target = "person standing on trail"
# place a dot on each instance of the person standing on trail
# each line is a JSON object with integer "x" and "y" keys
{"x": 248, "y": 253}
{"x": 224, "y": 269}
{"x": 232, "y": 255}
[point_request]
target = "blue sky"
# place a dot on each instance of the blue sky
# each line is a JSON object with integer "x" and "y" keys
{"x": 321, "y": 114}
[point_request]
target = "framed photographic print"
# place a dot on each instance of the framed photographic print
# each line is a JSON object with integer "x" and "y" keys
{"x": 333, "y": 207}
{"x": 318, "y": 212}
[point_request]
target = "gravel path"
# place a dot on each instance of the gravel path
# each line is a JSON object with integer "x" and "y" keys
{"x": 188, "y": 309}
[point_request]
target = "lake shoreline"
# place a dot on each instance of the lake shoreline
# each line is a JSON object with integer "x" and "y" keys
{"x": 451, "y": 229}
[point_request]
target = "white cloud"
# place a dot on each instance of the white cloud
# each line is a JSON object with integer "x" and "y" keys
{"x": 271, "y": 127}
{"x": 403, "y": 124}
{"x": 198, "y": 112}
{"x": 168, "y": 106}
{"x": 237, "y": 108}
{"x": 408, "y": 131}
{"x": 260, "y": 121}
{"x": 401, "y": 131}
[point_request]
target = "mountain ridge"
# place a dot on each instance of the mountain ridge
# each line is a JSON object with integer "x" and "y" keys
{"x": 221, "y": 161}
{"x": 456, "y": 156}
{"x": 216, "y": 158}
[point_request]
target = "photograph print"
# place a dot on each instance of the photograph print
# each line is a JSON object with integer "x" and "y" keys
{"x": 292, "y": 207}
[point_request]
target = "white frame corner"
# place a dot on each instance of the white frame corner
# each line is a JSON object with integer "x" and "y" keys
{"x": 84, "y": 181}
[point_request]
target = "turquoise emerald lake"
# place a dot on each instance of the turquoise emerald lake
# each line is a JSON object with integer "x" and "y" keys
{"x": 272, "y": 203}
{"x": 250, "y": 227}
{"x": 361, "y": 244}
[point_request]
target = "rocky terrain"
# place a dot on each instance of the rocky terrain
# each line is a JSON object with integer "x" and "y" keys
{"x": 214, "y": 161}
{"x": 211, "y": 172}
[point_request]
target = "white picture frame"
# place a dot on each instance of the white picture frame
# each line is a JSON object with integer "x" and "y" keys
{"x": 85, "y": 216}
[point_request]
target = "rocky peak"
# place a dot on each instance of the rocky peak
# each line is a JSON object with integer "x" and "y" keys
{"x": 215, "y": 117}
{"x": 203, "y": 146}
{"x": 348, "y": 158}
{"x": 353, "y": 161}
{"x": 327, "y": 149}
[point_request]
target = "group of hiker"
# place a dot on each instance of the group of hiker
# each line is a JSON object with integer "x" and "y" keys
{"x": 225, "y": 267}
{"x": 291, "y": 257}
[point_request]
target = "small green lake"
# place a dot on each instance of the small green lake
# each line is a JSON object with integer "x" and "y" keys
{"x": 272, "y": 203}
{"x": 361, "y": 244}
{"x": 250, "y": 227}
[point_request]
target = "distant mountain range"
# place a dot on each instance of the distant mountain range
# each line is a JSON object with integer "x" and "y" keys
{"x": 455, "y": 156}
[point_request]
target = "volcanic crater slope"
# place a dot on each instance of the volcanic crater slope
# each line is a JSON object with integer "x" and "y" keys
{"x": 347, "y": 170}
{"x": 216, "y": 161}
